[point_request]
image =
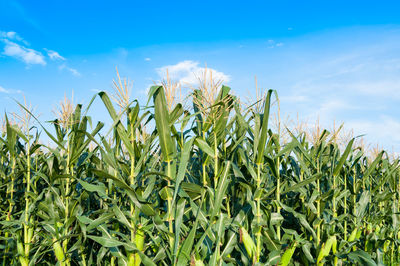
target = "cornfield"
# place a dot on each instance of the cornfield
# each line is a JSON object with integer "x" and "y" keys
{"x": 209, "y": 184}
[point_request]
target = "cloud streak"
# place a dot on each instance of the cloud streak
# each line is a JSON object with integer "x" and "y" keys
{"x": 53, "y": 55}
{"x": 379, "y": 131}
{"x": 12, "y": 35}
{"x": 73, "y": 71}
{"x": 354, "y": 83}
{"x": 22, "y": 53}
{"x": 274, "y": 44}
{"x": 8, "y": 91}
{"x": 16, "y": 47}
{"x": 3, "y": 90}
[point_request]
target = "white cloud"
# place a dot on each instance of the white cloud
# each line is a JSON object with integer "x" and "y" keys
{"x": 70, "y": 69}
{"x": 378, "y": 88}
{"x": 385, "y": 130}
{"x": 147, "y": 59}
{"x": 16, "y": 46}
{"x": 8, "y": 91}
{"x": 74, "y": 72}
{"x": 354, "y": 83}
{"x": 3, "y": 90}
{"x": 187, "y": 73}
{"x": 54, "y": 55}
{"x": 12, "y": 35}
{"x": 329, "y": 109}
{"x": 27, "y": 55}
{"x": 373, "y": 77}
{"x": 273, "y": 44}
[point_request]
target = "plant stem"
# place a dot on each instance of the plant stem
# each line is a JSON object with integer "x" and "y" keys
{"x": 204, "y": 164}
{"x": 318, "y": 213}
{"x": 258, "y": 233}
{"x": 345, "y": 209}
{"x": 334, "y": 198}
{"x": 27, "y": 229}
{"x": 215, "y": 160}
{"x": 278, "y": 197}
{"x": 169, "y": 214}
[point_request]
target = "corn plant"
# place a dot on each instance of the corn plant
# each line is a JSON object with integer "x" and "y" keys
{"x": 210, "y": 183}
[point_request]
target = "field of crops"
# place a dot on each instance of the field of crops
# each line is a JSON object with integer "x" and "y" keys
{"x": 205, "y": 183}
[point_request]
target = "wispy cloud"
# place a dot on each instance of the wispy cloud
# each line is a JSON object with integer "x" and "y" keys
{"x": 20, "y": 52}
{"x": 330, "y": 110}
{"x": 386, "y": 128}
{"x": 273, "y": 44}
{"x": 53, "y": 55}
{"x": 354, "y": 83}
{"x": 73, "y": 71}
{"x": 12, "y": 35}
{"x": 8, "y": 91}
{"x": 3, "y": 90}
{"x": 15, "y": 46}
{"x": 187, "y": 72}
{"x": 147, "y": 59}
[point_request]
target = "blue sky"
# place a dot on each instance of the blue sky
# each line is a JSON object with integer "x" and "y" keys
{"x": 336, "y": 60}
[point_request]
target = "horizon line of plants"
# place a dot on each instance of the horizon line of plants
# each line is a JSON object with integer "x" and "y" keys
{"x": 209, "y": 185}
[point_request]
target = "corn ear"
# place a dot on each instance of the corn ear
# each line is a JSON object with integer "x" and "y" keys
{"x": 198, "y": 263}
{"x": 334, "y": 245}
{"x": 358, "y": 235}
{"x": 30, "y": 233}
{"x": 248, "y": 242}
{"x": 353, "y": 235}
{"x": 287, "y": 256}
{"x": 329, "y": 244}
{"x": 20, "y": 248}
{"x": 58, "y": 250}
{"x": 386, "y": 246}
{"x": 139, "y": 241}
{"x": 321, "y": 254}
{"x": 22, "y": 259}
{"x": 326, "y": 248}
{"x": 131, "y": 259}
{"x": 377, "y": 229}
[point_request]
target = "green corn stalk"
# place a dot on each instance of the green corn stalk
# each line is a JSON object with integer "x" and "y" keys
{"x": 318, "y": 208}
{"x": 345, "y": 209}
{"x": 167, "y": 147}
{"x": 28, "y": 229}
{"x": 11, "y": 141}
{"x": 119, "y": 203}
{"x": 259, "y": 162}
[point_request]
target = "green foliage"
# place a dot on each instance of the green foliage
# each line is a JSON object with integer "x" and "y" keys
{"x": 204, "y": 187}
